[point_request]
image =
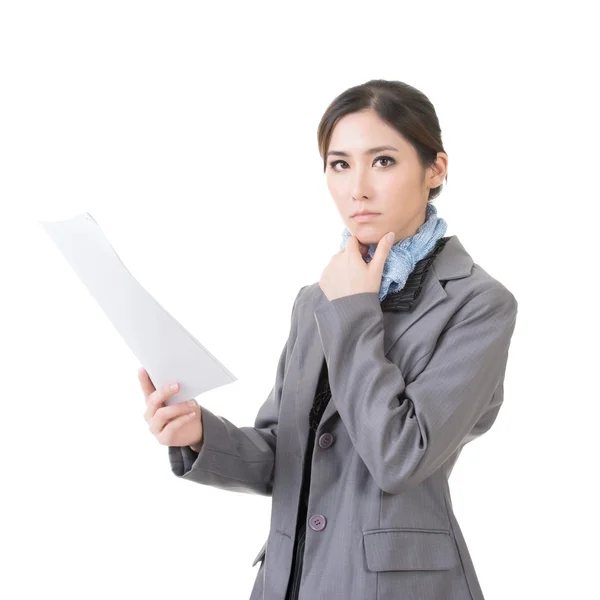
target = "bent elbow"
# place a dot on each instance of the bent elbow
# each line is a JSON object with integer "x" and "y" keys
{"x": 399, "y": 485}
{"x": 397, "y": 478}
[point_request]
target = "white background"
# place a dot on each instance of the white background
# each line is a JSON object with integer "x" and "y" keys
{"x": 188, "y": 131}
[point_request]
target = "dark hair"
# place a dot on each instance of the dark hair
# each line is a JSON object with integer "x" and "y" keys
{"x": 404, "y": 107}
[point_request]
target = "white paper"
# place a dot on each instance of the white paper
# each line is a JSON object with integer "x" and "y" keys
{"x": 163, "y": 347}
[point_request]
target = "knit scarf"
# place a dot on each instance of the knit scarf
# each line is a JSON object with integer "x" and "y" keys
{"x": 405, "y": 254}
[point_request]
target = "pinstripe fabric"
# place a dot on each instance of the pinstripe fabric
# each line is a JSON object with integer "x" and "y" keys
{"x": 403, "y": 300}
{"x": 419, "y": 550}
{"x": 410, "y": 388}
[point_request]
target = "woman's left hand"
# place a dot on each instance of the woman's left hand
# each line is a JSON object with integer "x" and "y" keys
{"x": 347, "y": 273}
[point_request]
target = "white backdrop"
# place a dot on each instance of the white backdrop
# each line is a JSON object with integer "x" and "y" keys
{"x": 189, "y": 133}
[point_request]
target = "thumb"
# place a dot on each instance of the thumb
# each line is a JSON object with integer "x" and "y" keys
{"x": 383, "y": 249}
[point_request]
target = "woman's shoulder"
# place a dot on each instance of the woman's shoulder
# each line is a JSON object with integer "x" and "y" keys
{"x": 464, "y": 280}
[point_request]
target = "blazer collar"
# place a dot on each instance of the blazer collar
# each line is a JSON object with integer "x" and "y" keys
{"x": 453, "y": 262}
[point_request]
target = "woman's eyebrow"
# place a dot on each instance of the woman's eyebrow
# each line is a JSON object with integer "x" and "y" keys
{"x": 370, "y": 151}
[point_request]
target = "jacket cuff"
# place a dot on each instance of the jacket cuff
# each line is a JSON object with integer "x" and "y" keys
{"x": 337, "y": 318}
{"x": 184, "y": 460}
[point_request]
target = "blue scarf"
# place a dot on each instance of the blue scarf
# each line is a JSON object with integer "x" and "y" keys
{"x": 405, "y": 254}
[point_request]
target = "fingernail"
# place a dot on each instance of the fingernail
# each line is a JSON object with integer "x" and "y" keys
{"x": 391, "y": 236}
{"x": 191, "y": 403}
{"x": 173, "y": 386}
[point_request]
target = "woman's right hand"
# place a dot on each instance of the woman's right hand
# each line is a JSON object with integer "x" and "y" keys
{"x": 176, "y": 425}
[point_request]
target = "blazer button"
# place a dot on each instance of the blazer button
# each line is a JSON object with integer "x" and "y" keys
{"x": 317, "y": 522}
{"x": 326, "y": 440}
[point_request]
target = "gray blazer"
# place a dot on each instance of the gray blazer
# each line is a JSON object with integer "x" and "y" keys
{"x": 408, "y": 391}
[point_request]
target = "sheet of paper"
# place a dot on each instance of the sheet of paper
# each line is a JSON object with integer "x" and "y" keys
{"x": 163, "y": 347}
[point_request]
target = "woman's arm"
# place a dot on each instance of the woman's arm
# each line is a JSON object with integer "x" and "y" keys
{"x": 404, "y": 433}
{"x": 235, "y": 458}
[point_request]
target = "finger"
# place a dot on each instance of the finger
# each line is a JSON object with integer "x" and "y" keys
{"x": 381, "y": 253}
{"x": 158, "y": 398}
{"x": 164, "y": 414}
{"x": 171, "y": 428}
{"x": 354, "y": 244}
{"x": 351, "y": 244}
{"x": 145, "y": 382}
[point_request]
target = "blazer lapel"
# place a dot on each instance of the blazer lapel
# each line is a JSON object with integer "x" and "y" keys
{"x": 453, "y": 262}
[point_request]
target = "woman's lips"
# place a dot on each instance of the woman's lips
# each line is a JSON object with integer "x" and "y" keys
{"x": 365, "y": 217}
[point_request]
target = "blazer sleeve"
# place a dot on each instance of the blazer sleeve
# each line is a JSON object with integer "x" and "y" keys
{"x": 239, "y": 459}
{"x": 404, "y": 433}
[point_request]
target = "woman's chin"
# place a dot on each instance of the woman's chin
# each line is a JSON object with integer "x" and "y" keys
{"x": 368, "y": 239}
{"x": 369, "y": 234}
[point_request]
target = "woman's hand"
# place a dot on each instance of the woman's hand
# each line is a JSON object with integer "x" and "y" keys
{"x": 347, "y": 273}
{"x": 177, "y": 425}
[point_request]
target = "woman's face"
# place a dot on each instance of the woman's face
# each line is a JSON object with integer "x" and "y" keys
{"x": 389, "y": 182}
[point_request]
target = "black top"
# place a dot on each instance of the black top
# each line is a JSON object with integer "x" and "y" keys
{"x": 402, "y": 300}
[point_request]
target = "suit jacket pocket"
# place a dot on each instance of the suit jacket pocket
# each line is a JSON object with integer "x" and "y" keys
{"x": 261, "y": 554}
{"x": 409, "y": 550}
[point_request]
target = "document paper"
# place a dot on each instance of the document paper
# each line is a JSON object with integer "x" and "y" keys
{"x": 163, "y": 347}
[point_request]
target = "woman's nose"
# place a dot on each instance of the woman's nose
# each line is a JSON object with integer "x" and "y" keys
{"x": 361, "y": 187}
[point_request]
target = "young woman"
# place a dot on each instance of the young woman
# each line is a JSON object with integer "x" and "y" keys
{"x": 395, "y": 360}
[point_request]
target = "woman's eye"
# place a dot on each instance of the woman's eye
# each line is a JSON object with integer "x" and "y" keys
{"x": 335, "y": 162}
{"x": 389, "y": 159}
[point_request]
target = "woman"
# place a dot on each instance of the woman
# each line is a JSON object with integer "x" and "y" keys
{"x": 395, "y": 360}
